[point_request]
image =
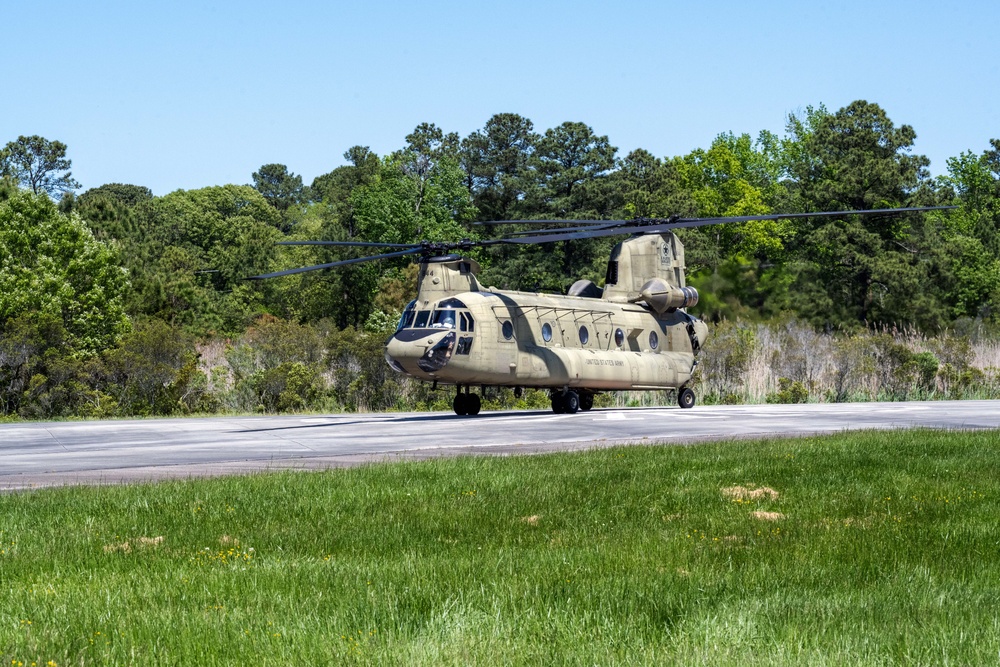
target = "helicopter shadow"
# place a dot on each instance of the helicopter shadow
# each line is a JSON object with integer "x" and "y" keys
{"x": 411, "y": 419}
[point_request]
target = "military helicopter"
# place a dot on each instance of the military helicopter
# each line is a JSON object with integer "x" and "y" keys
{"x": 633, "y": 334}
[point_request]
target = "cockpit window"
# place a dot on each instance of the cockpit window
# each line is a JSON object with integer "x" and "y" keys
{"x": 421, "y": 320}
{"x": 407, "y": 318}
{"x": 451, "y": 303}
{"x": 443, "y": 319}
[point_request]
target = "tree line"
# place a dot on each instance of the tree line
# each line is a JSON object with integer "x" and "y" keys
{"x": 100, "y": 288}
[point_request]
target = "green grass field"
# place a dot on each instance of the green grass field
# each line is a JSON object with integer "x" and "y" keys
{"x": 871, "y": 548}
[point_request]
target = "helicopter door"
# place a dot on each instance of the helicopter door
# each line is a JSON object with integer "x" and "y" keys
{"x": 506, "y": 345}
{"x": 466, "y": 327}
{"x": 602, "y": 333}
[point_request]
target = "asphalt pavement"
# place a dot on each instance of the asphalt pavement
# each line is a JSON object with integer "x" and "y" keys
{"x": 39, "y": 454}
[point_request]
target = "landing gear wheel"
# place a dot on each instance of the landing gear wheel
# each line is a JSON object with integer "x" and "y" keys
{"x": 685, "y": 398}
{"x": 473, "y": 404}
{"x": 461, "y": 404}
{"x": 572, "y": 402}
{"x": 558, "y": 406}
{"x": 586, "y": 401}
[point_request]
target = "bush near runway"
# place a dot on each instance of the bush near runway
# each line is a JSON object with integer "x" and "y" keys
{"x": 865, "y": 548}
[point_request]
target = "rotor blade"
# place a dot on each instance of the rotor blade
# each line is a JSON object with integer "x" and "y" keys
{"x": 697, "y": 222}
{"x": 541, "y": 222}
{"x": 658, "y": 226}
{"x": 356, "y": 260}
{"x": 585, "y": 234}
{"x": 362, "y": 244}
{"x": 564, "y": 230}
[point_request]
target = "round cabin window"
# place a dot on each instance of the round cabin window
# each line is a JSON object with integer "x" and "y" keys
{"x": 654, "y": 340}
{"x": 619, "y": 337}
{"x": 584, "y": 335}
{"x": 508, "y": 330}
{"x": 547, "y": 332}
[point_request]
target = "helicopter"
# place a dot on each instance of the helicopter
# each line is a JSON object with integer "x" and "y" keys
{"x": 635, "y": 333}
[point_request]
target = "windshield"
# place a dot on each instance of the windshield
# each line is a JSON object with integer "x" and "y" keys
{"x": 407, "y": 319}
{"x": 443, "y": 319}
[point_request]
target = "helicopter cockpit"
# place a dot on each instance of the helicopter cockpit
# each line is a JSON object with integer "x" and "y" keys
{"x": 447, "y": 314}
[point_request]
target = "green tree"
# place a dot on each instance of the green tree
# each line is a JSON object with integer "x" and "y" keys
{"x": 50, "y": 263}
{"x": 336, "y": 186}
{"x": 859, "y": 269}
{"x": 975, "y": 181}
{"x": 734, "y": 264}
{"x": 735, "y": 176}
{"x": 651, "y": 187}
{"x": 38, "y": 164}
{"x": 231, "y": 228}
{"x": 497, "y": 163}
{"x": 426, "y": 147}
{"x": 570, "y": 160}
{"x": 115, "y": 211}
{"x": 26, "y": 340}
{"x": 190, "y": 251}
{"x": 281, "y": 188}
{"x": 970, "y": 237}
{"x": 395, "y": 206}
{"x": 149, "y": 371}
{"x": 121, "y": 193}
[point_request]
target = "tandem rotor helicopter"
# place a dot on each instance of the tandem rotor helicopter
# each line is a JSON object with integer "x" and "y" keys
{"x": 633, "y": 334}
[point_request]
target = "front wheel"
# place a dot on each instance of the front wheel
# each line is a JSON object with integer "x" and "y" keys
{"x": 685, "y": 398}
{"x": 460, "y": 404}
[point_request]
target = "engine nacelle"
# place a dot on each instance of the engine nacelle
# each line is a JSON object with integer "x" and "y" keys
{"x": 662, "y": 297}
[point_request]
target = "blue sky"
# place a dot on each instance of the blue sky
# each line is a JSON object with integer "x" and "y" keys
{"x": 189, "y": 94}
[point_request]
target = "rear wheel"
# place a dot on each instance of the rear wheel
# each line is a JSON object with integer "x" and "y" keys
{"x": 558, "y": 406}
{"x": 586, "y": 401}
{"x": 685, "y": 398}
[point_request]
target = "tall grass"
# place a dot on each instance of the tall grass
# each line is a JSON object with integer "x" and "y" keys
{"x": 789, "y": 362}
{"x": 865, "y": 548}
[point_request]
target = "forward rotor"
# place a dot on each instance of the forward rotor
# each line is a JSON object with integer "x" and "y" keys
{"x": 585, "y": 229}
{"x": 425, "y": 249}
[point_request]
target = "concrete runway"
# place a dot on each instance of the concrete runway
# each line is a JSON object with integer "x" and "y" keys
{"x": 38, "y": 454}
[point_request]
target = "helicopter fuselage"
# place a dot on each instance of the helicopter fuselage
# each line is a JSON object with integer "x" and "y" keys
{"x": 523, "y": 339}
{"x": 629, "y": 336}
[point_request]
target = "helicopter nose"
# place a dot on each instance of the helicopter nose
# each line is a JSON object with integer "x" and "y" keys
{"x": 438, "y": 354}
{"x": 418, "y": 353}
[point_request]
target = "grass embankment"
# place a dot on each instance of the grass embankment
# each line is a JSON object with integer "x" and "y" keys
{"x": 870, "y": 548}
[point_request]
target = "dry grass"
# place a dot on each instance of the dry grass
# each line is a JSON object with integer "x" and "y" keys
{"x": 138, "y": 544}
{"x": 745, "y": 364}
{"x": 748, "y": 493}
